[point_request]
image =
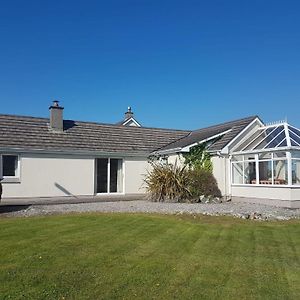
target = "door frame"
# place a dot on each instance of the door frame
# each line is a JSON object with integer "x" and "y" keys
{"x": 108, "y": 176}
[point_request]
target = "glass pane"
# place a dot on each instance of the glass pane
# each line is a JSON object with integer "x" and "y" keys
{"x": 237, "y": 158}
{"x": 295, "y": 137}
{"x": 116, "y": 178}
{"x": 282, "y": 144}
{"x": 102, "y": 164}
{"x": 249, "y": 157}
{"x": 276, "y": 141}
{"x": 296, "y": 154}
{"x": 295, "y": 131}
{"x": 296, "y": 171}
{"x": 293, "y": 143}
{"x": 237, "y": 173}
{"x": 254, "y": 140}
{"x": 272, "y": 138}
{"x": 250, "y": 173}
{"x": 280, "y": 172}
{"x": 265, "y": 172}
{"x": 281, "y": 155}
{"x": 10, "y": 165}
{"x": 266, "y": 155}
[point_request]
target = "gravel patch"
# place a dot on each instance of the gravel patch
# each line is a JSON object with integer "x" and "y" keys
{"x": 240, "y": 210}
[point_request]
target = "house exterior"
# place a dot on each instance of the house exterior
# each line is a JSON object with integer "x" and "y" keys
{"x": 41, "y": 157}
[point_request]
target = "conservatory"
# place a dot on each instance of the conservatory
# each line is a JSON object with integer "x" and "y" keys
{"x": 267, "y": 166}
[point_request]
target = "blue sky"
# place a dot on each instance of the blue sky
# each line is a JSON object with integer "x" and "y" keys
{"x": 179, "y": 64}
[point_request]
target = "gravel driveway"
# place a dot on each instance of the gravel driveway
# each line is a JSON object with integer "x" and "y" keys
{"x": 241, "y": 210}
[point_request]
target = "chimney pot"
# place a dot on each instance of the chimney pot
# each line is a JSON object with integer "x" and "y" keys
{"x": 55, "y": 103}
{"x": 129, "y": 113}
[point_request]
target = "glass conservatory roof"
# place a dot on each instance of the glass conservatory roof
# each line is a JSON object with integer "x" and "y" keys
{"x": 273, "y": 137}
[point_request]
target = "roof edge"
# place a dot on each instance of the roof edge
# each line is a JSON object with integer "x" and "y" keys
{"x": 73, "y": 152}
{"x": 225, "y": 149}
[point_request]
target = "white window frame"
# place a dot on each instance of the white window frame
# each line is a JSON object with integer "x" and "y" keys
{"x": 294, "y": 159}
{"x": 15, "y": 178}
{"x": 273, "y": 159}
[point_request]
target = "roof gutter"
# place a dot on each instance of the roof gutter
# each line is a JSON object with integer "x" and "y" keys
{"x": 285, "y": 148}
{"x": 74, "y": 152}
{"x": 168, "y": 151}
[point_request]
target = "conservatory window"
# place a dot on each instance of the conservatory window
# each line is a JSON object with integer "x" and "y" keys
{"x": 264, "y": 156}
{"x": 265, "y": 172}
{"x": 249, "y": 172}
{"x": 237, "y": 172}
{"x": 296, "y": 172}
{"x": 280, "y": 172}
{"x": 270, "y": 156}
{"x": 296, "y": 167}
{"x": 272, "y": 169}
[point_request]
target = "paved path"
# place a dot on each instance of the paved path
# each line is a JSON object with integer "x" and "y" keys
{"x": 242, "y": 210}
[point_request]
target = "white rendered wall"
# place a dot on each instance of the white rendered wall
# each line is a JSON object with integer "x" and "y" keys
{"x": 67, "y": 175}
{"x": 220, "y": 173}
{"x": 49, "y": 176}
{"x": 135, "y": 171}
{"x": 176, "y": 158}
{"x": 273, "y": 195}
{"x": 272, "y": 192}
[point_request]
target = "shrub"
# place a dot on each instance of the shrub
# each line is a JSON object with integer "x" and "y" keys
{"x": 202, "y": 182}
{"x": 167, "y": 182}
{"x": 176, "y": 183}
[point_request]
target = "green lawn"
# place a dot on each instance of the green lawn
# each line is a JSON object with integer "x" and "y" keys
{"x": 123, "y": 256}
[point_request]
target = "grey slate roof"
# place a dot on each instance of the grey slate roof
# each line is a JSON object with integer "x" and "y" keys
{"x": 29, "y": 133}
{"x": 195, "y": 136}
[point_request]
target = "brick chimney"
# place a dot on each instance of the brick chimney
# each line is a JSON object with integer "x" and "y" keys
{"x": 129, "y": 113}
{"x": 56, "y": 117}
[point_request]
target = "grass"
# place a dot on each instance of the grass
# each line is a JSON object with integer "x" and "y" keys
{"x": 123, "y": 256}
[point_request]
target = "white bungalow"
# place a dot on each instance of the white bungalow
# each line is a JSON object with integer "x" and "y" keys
{"x": 41, "y": 157}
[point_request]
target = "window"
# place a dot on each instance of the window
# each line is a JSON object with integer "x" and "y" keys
{"x": 244, "y": 171}
{"x": 116, "y": 178}
{"x": 249, "y": 172}
{"x": 9, "y": 166}
{"x": 296, "y": 171}
{"x": 280, "y": 172}
{"x": 296, "y": 167}
{"x": 272, "y": 169}
{"x": 109, "y": 175}
{"x": 237, "y": 172}
{"x": 265, "y": 172}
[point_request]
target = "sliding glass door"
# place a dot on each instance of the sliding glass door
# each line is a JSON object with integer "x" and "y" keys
{"x": 109, "y": 175}
{"x": 102, "y": 174}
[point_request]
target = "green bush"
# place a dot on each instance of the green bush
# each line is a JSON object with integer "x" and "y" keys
{"x": 175, "y": 183}
{"x": 167, "y": 182}
{"x": 203, "y": 182}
